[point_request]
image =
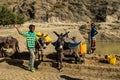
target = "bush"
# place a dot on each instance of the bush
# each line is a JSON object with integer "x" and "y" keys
{"x": 19, "y": 18}
{"x": 7, "y": 17}
{"x": 83, "y": 26}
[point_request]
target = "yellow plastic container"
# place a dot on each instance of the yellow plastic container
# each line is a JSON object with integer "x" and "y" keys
{"x": 38, "y": 34}
{"x": 82, "y": 48}
{"x": 48, "y": 39}
{"x": 112, "y": 59}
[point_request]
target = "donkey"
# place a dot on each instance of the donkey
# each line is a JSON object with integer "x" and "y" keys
{"x": 39, "y": 48}
{"x": 62, "y": 49}
{"x": 8, "y": 46}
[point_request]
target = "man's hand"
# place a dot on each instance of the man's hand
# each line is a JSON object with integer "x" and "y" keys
{"x": 15, "y": 25}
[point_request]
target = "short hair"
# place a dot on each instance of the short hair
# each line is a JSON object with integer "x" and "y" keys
{"x": 31, "y": 26}
{"x": 73, "y": 37}
{"x": 92, "y": 24}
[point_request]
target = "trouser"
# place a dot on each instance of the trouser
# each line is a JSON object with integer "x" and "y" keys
{"x": 32, "y": 57}
{"x": 93, "y": 43}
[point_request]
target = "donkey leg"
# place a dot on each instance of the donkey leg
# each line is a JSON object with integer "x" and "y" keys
{"x": 3, "y": 54}
{"x": 60, "y": 66}
{"x": 77, "y": 58}
{"x": 39, "y": 52}
{"x": 59, "y": 62}
{"x": 41, "y": 55}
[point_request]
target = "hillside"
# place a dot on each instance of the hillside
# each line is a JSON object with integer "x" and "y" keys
{"x": 68, "y": 10}
{"x": 105, "y": 13}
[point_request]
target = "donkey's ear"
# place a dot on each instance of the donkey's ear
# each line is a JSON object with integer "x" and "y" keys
{"x": 66, "y": 34}
{"x": 56, "y": 33}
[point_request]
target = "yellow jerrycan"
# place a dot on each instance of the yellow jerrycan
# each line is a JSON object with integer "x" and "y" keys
{"x": 82, "y": 48}
{"x": 111, "y": 59}
{"x": 47, "y": 38}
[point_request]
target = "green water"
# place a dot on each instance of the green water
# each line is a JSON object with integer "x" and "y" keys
{"x": 107, "y": 48}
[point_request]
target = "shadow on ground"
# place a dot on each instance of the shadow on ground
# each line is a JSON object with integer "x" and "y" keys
{"x": 15, "y": 62}
{"x": 69, "y": 78}
{"x": 22, "y": 55}
{"x": 52, "y": 56}
{"x": 17, "y": 59}
{"x": 104, "y": 61}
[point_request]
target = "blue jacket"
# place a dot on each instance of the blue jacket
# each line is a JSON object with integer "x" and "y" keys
{"x": 93, "y": 32}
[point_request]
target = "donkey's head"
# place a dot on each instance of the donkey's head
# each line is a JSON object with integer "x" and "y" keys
{"x": 42, "y": 41}
{"x": 60, "y": 42}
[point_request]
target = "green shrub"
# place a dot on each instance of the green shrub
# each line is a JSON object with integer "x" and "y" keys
{"x": 7, "y": 17}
